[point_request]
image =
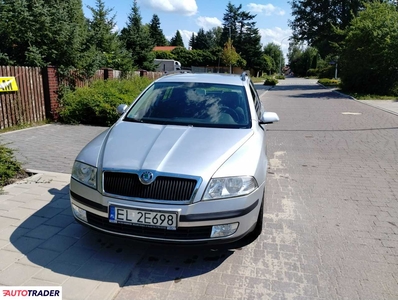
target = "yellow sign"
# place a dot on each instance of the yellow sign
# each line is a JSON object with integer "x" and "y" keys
{"x": 8, "y": 84}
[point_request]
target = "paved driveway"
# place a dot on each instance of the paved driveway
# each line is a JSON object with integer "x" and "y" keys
{"x": 331, "y": 216}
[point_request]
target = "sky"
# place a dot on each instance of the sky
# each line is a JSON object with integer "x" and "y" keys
{"x": 188, "y": 16}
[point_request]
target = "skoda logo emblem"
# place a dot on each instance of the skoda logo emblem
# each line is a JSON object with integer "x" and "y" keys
{"x": 146, "y": 177}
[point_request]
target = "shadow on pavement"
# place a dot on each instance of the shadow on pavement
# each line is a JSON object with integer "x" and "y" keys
{"x": 51, "y": 238}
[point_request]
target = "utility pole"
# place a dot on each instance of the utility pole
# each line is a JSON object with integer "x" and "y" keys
{"x": 280, "y": 58}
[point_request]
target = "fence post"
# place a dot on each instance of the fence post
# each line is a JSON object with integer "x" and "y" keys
{"x": 51, "y": 87}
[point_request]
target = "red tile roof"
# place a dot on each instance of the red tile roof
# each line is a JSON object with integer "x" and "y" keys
{"x": 164, "y": 48}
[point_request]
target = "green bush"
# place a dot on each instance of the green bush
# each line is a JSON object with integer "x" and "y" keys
{"x": 96, "y": 104}
{"x": 313, "y": 72}
{"x": 9, "y": 167}
{"x": 329, "y": 82}
{"x": 280, "y": 77}
{"x": 270, "y": 81}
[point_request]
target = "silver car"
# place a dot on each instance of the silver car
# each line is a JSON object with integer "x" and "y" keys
{"x": 186, "y": 163}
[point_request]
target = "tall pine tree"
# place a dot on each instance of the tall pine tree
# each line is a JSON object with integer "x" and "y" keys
{"x": 137, "y": 40}
{"x": 177, "y": 40}
{"x": 156, "y": 32}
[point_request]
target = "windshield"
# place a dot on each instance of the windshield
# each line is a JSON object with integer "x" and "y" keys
{"x": 194, "y": 104}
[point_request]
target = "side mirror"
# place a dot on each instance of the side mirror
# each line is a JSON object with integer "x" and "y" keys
{"x": 269, "y": 118}
{"x": 121, "y": 109}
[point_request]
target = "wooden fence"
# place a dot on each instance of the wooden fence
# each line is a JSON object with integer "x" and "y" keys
{"x": 37, "y": 96}
{"x": 25, "y": 105}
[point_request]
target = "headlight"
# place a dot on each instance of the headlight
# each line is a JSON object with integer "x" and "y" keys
{"x": 227, "y": 187}
{"x": 84, "y": 173}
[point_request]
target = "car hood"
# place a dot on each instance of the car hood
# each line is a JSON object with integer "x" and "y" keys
{"x": 196, "y": 151}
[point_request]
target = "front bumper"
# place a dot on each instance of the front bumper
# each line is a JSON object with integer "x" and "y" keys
{"x": 195, "y": 222}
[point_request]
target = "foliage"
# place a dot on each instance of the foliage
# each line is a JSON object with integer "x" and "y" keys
{"x": 156, "y": 33}
{"x": 329, "y": 82}
{"x": 269, "y": 80}
{"x": 303, "y": 59}
{"x": 316, "y": 21}
{"x": 96, "y": 104}
{"x": 229, "y": 55}
{"x": 369, "y": 59}
{"x": 240, "y": 27}
{"x": 268, "y": 64}
{"x": 275, "y": 52}
{"x": 105, "y": 42}
{"x": 9, "y": 166}
{"x": 137, "y": 40}
{"x": 280, "y": 77}
{"x": 177, "y": 40}
{"x": 39, "y": 33}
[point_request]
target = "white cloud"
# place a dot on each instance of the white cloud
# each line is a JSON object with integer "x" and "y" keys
{"x": 208, "y": 23}
{"x": 186, "y": 36}
{"x": 267, "y": 9}
{"x": 277, "y": 36}
{"x": 186, "y": 7}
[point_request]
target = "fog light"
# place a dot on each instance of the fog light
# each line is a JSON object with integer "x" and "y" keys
{"x": 224, "y": 230}
{"x": 79, "y": 213}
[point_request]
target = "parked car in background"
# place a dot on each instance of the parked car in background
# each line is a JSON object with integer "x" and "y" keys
{"x": 186, "y": 163}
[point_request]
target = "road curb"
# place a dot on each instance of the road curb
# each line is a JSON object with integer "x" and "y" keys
{"x": 360, "y": 101}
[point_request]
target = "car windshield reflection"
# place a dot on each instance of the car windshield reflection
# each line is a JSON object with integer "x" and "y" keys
{"x": 192, "y": 104}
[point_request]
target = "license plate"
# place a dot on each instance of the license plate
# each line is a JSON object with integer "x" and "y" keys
{"x": 139, "y": 217}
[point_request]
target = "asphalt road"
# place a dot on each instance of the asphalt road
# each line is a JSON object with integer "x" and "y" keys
{"x": 330, "y": 222}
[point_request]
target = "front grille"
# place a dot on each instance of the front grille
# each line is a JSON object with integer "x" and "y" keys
{"x": 163, "y": 188}
{"x": 182, "y": 233}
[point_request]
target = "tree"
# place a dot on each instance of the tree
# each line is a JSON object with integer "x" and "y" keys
{"x": 268, "y": 64}
{"x": 369, "y": 58}
{"x": 316, "y": 21}
{"x": 177, "y": 40}
{"x": 137, "y": 40}
{"x": 192, "y": 41}
{"x": 107, "y": 45}
{"x": 240, "y": 27}
{"x": 39, "y": 33}
{"x": 202, "y": 41}
{"x": 275, "y": 52}
{"x": 229, "y": 55}
{"x": 156, "y": 32}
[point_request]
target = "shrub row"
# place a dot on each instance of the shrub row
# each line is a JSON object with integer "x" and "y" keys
{"x": 96, "y": 104}
{"x": 329, "y": 82}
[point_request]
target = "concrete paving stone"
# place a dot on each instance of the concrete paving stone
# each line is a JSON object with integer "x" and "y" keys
{"x": 106, "y": 290}
{"x": 7, "y": 258}
{"x": 61, "y": 221}
{"x": 38, "y": 257}
{"x": 58, "y": 243}
{"x": 216, "y": 290}
{"x": 74, "y": 230}
{"x": 43, "y": 232}
{"x": 38, "y": 282}
{"x": 16, "y": 274}
{"x": 94, "y": 270}
{"x": 5, "y": 224}
{"x": 75, "y": 256}
{"x": 48, "y": 212}
{"x": 23, "y": 244}
{"x": 75, "y": 288}
{"x": 145, "y": 293}
{"x": 18, "y": 213}
{"x": 57, "y": 272}
{"x": 196, "y": 288}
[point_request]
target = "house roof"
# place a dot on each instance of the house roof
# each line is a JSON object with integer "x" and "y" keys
{"x": 164, "y": 48}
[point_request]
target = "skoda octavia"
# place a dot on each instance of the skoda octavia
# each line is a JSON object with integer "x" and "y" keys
{"x": 185, "y": 163}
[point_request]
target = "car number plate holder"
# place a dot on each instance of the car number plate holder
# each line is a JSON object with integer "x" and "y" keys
{"x": 143, "y": 217}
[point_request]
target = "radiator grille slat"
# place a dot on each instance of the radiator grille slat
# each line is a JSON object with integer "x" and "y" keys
{"x": 163, "y": 188}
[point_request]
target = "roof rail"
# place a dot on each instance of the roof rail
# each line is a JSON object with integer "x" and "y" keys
{"x": 243, "y": 76}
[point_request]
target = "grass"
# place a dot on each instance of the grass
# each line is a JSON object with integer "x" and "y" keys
{"x": 24, "y": 126}
{"x": 359, "y": 96}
